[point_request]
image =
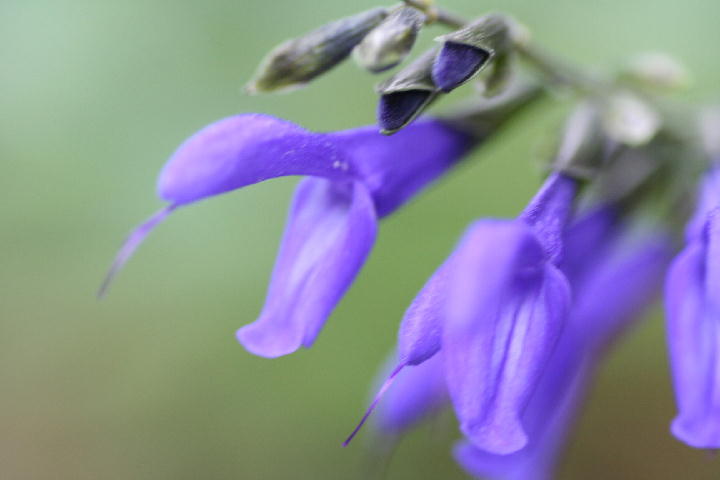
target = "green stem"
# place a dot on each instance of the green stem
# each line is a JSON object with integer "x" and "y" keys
{"x": 438, "y": 14}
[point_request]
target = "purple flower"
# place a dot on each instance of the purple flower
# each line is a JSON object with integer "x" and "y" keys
{"x": 692, "y": 294}
{"x": 495, "y": 308}
{"x": 612, "y": 287}
{"x": 506, "y": 307}
{"x": 355, "y": 177}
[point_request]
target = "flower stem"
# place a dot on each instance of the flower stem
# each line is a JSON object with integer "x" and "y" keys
{"x": 438, "y": 14}
{"x": 561, "y": 73}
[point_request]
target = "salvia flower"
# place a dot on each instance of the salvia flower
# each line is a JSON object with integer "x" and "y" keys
{"x": 506, "y": 307}
{"x": 611, "y": 288}
{"x": 692, "y": 295}
{"x": 354, "y": 178}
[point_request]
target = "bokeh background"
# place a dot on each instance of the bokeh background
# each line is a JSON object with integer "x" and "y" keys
{"x": 150, "y": 383}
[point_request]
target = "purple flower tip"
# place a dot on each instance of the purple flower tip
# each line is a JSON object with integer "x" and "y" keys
{"x": 457, "y": 63}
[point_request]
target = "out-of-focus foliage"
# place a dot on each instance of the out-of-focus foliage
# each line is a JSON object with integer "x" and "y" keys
{"x": 150, "y": 383}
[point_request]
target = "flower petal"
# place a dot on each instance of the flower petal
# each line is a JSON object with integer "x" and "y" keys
{"x": 330, "y": 232}
{"x": 549, "y": 211}
{"x": 246, "y": 149}
{"x": 420, "y": 334}
{"x": 554, "y": 407}
{"x": 505, "y": 313}
{"x": 694, "y": 339}
{"x": 395, "y": 168}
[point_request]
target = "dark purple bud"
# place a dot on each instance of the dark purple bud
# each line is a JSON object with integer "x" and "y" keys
{"x": 406, "y": 94}
{"x": 456, "y": 64}
{"x": 397, "y": 109}
{"x": 467, "y": 51}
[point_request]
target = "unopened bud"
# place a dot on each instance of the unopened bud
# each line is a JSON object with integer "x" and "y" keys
{"x": 657, "y": 70}
{"x": 406, "y": 94}
{"x": 629, "y": 120}
{"x": 582, "y": 143}
{"x": 390, "y": 42}
{"x": 710, "y": 132}
{"x": 467, "y": 51}
{"x": 296, "y": 62}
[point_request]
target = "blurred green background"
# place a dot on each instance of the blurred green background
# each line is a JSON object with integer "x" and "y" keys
{"x": 150, "y": 383}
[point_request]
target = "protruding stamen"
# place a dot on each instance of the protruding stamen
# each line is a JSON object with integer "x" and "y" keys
{"x": 131, "y": 243}
{"x": 374, "y": 403}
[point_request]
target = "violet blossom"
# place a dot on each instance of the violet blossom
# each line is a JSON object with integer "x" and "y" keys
{"x": 612, "y": 287}
{"x": 693, "y": 323}
{"x": 355, "y": 177}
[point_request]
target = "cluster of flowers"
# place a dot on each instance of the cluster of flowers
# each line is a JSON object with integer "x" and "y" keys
{"x": 511, "y": 327}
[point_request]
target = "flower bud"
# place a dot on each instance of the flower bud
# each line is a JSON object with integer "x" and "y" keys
{"x": 406, "y": 94}
{"x": 629, "y": 120}
{"x": 390, "y": 42}
{"x": 467, "y": 51}
{"x": 581, "y": 144}
{"x": 298, "y": 61}
{"x": 657, "y": 70}
{"x": 710, "y": 132}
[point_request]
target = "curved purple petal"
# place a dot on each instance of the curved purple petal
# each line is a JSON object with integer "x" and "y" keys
{"x": 693, "y": 323}
{"x": 246, "y": 149}
{"x": 554, "y": 408}
{"x": 330, "y": 231}
{"x": 420, "y": 333}
{"x": 505, "y": 313}
{"x": 395, "y": 168}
